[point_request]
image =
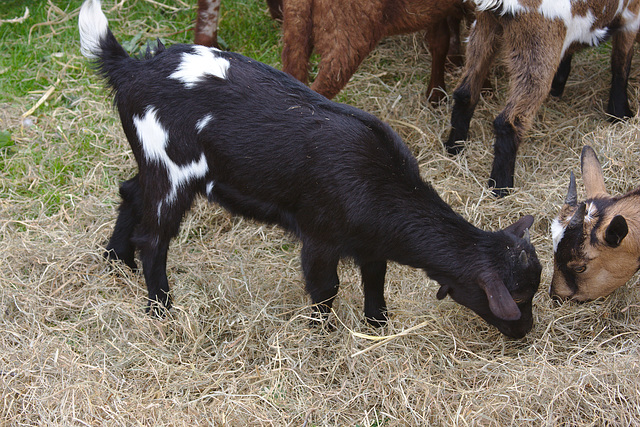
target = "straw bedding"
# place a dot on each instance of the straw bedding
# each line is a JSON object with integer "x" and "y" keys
{"x": 77, "y": 349}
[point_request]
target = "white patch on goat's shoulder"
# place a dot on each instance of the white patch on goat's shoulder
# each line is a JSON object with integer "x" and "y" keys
{"x": 203, "y": 122}
{"x": 154, "y": 139}
{"x": 152, "y": 135}
{"x": 557, "y": 233}
{"x": 199, "y": 63}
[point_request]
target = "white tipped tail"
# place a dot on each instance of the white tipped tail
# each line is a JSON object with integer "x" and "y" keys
{"x": 93, "y": 26}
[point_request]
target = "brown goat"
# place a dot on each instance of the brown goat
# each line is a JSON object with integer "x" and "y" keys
{"x": 596, "y": 243}
{"x": 538, "y": 38}
{"x": 343, "y": 33}
{"x": 206, "y": 31}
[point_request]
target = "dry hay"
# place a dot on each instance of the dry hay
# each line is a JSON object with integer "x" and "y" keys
{"x": 77, "y": 349}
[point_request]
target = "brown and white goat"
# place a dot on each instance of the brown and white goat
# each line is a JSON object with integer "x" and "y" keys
{"x": 538, "y": 38}
{"x": 343, "y": 33}
{"x": 596, "y": 243}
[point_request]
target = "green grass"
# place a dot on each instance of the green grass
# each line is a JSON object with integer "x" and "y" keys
{"x": 42, "y": 53}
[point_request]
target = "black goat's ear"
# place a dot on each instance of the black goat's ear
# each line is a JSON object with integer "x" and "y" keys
{"x": 443, "y": 291}
{"x": 501, "y": 302}
{"x": 616, "y": 231}
{"x": 518, "y": 227}
{"x": 159, "y": 46}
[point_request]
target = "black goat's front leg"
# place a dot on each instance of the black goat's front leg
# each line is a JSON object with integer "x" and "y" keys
{"x": 621, "y": 56}
{"x": 320, "y": 268}
{"x": 120, "y": 245}
{"x": 154, "y": 264}
{"x": 375, "y": 307}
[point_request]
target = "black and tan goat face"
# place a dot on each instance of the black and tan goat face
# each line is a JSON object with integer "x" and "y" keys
{"x": 593, "y": 251}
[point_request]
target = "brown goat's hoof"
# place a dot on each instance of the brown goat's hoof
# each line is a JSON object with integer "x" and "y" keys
{"x": 436, "y": 97}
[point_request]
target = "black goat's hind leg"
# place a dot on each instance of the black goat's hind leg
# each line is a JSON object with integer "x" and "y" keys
{"x": 121, "y": 246}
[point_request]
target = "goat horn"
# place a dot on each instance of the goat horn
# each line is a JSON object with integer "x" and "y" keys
{"x": 527, "y": 236}
{"x": 572, "y": 194}
{"x": 523, "y": 259}
{"x": 578, "y": 217}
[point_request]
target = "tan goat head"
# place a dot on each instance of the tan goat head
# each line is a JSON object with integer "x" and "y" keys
{"x": 596, "y": 242}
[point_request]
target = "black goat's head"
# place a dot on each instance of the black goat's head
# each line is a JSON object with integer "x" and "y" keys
{"x": 509, "y": 277}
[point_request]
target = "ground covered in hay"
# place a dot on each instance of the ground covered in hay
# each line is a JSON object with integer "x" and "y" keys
{"x": 77, "y": 349}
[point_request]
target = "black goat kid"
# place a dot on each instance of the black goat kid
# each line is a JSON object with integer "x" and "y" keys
{"x": 263, "y": 145}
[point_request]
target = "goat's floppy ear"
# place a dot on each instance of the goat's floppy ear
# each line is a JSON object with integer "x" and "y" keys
{"x": 518, "y": 228}
{"x": 616, "y": 231}
{"x": 592, "y": 173}
{"x": 501, "y": 303}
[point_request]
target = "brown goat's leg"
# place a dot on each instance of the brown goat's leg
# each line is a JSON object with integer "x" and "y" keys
{"x": 437, "y": 38}
{"x": 483, "y": 43}
{"x": 275, "y": 9}
{"x": 533, "y": 55}
{"x": 455, "y": 55}
{"x": 206, "y": 31}
{"x": 297, "y": 39}
{"x": 337, "y": 66}
{"x": 621, "y": 56}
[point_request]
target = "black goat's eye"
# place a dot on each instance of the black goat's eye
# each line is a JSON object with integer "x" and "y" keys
{"x": 580, "y": 269}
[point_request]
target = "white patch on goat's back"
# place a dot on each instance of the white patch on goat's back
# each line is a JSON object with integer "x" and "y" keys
{"x": 557, "y": 233}
{"x": 203, "y": 122}
{"x": 503, "y": 7}
{"x": 556, "y": 9}
{"x": 154, "y": 139}
{"x": 199, "y": 63}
